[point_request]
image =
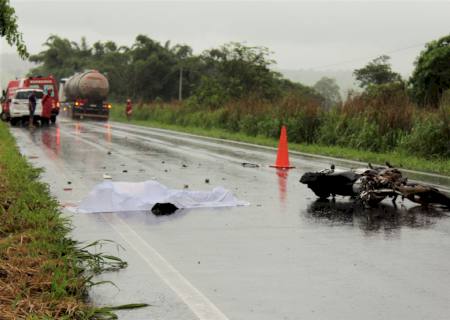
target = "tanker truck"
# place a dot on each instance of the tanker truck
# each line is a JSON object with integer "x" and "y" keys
{"x": 83, "y": 95}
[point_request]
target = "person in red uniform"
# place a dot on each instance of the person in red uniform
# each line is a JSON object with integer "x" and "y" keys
{"x": 129, "y": 109}
{"x": 47, "y": 105}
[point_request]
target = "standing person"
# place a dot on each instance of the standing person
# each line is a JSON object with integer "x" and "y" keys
{"x": 47, "y": 105}
{"x": 31, "y": 107}
{"x": 129, "y": 109}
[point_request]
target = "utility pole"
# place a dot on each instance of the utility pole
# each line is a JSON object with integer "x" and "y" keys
{"x": 180, "y": 86}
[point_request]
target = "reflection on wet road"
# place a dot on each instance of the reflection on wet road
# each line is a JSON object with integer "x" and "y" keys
{"x": 384, "y": 219}
{"x": 282, "y": 184}
{"x": 286, "y": 256}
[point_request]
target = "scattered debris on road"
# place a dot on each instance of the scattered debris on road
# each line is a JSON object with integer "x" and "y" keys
{"x": 33, "y": 157}
{"x": 206, "y": 180}
{"x": 184, "y": 166}
{"x": 250, "y": 165}
{"x": 109, "y": 152}
{"x": 67, "y": 189}
{"x": 106, "y": 176}
{"x": 124, "y": 171}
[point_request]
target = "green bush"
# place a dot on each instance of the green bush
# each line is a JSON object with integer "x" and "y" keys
{"x": 303, "y": 127}
{"x": 269, "y": 126}
{"x": 365, "y": 135}
{"x": 329, "y": 130}
{"x": 249, "y": 125}
{"x": 429, "y": 137}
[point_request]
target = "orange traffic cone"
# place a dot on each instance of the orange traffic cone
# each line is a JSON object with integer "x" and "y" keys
{"x": 283, "y": 152}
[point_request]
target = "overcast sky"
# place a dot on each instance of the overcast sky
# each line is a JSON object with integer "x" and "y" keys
{"x": 302, "y": 35}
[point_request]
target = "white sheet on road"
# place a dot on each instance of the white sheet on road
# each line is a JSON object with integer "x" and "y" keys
{"x": 111, "y": 196}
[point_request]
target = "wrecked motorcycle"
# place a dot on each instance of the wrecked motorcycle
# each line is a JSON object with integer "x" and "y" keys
{"x": 372, "y": 185}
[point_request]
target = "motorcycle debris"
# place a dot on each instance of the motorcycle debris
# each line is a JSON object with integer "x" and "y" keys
{"x": 250, "y": 165}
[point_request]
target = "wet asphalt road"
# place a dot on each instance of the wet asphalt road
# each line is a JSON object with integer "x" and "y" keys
{"x": 286, "y": 256}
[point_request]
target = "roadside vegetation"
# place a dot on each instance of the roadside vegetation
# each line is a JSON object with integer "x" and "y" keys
{"x": 43, "y": 273}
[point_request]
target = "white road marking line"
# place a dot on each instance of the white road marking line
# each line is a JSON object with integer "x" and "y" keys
{"x": 200, "y": 305}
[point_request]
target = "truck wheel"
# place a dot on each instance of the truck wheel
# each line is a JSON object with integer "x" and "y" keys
{"x": 45, "y": 122}
{"x": 14, "y": 121}
{"x": 4, "y": 116}
{"x": 53, "y": 119}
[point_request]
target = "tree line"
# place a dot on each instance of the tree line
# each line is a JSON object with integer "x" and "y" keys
{"x": 149, "y": 70}
{"x": 428, "y": 83}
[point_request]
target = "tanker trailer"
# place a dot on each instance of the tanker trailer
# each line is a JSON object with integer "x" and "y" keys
{"x": 84, "y": 95}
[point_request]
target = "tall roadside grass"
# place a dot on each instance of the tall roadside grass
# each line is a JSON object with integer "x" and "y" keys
{"x": 43, "y": 273}
{"x": 362, "y": 123}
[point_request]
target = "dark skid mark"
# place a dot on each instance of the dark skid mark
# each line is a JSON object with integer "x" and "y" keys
{"x": 250, "y": 165}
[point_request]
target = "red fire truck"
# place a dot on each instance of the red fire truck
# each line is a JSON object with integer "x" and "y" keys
{"x": 43, "y": 83}
{"x": 13, "y": 85}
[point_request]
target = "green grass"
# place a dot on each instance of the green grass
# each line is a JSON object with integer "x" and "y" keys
{"x": 43, "y": 273}
{"x": 401, "y": 160}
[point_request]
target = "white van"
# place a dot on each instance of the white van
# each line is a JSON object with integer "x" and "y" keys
{"x": 19, "y": 109}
